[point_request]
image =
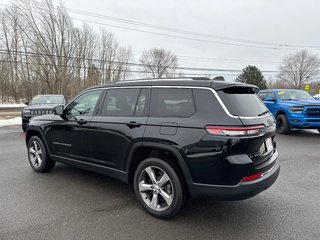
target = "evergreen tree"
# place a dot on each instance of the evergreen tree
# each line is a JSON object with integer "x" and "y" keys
{"x": 252, "y": 75}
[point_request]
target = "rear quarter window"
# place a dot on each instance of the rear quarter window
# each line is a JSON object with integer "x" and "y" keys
{"x": 171, "y": 102}
{"x": 242, "y": 101}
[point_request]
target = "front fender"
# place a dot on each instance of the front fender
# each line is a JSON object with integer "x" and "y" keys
{"x": 33, "y": 130}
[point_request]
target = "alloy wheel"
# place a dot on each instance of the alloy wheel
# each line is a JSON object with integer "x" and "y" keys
{"x": 156, "y": 188}
{"x": 35, "y": 154}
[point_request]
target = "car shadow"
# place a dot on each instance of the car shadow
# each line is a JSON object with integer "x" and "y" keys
{"x": 120, "y": 196}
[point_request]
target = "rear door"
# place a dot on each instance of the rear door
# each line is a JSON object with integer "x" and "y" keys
{"x": 120, "y": 124}
{"x": 172, "y": 116}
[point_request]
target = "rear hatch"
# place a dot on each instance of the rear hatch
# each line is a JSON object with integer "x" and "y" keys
{"x": 242, "y": 102}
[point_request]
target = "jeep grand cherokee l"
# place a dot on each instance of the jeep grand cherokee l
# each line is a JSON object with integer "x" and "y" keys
{"x": 171, "y": 138}
{"x": 40, "y": 105}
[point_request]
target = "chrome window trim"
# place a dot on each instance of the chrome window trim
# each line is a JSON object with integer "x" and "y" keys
{"x": 189, "y": 87}
{"x": 83, "y": 92}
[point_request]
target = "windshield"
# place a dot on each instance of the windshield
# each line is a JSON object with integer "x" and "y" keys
{"x": 242, "y": 102}
{"x": 294, "y": 95}
{"x": 43, "y": 99}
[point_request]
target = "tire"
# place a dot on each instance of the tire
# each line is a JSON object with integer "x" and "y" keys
{"x": 38, "y": 157}
{"x": 282, "y": 124}
{"x": 158, "y": 188}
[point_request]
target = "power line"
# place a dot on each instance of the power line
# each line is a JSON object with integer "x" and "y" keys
{"x": 270, "y": 46}
{"x": 127, "y": 63}
{"x": 199, "y": 58}
{"x": 112, "y": 70}
{"x": 179, "y": 37}
{"x": 204, "y": 58}
{"x": 176, "y": 30}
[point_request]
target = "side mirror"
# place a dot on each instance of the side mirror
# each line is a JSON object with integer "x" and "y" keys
{"x": 270, "y": 99}
{"x": 58, "y": 110}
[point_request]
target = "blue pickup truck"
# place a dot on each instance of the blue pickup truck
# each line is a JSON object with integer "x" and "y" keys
{"x": 292, "y": 109}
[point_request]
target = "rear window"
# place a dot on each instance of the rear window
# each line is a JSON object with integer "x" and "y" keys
{"x": 242, "y": 102}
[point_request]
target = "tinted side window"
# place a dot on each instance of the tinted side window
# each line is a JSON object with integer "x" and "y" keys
{"x": 166, "y": 102}
{"x": 271, "y": 95}
{"x": 84, "y": 104}
{"x": 262, "y": 95}
{"x": 120, "y": 102}
{"x": 142, "y": 107}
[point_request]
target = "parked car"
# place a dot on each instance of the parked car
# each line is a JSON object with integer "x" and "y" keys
{"x": 171, "y": 138}
{"x": 40, "y": 105}
{"x": 316, "y": 97}
{"x": 292, "y": 109}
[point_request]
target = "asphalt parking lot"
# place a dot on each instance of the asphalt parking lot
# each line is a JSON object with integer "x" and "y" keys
{"x": 69, "y": 203}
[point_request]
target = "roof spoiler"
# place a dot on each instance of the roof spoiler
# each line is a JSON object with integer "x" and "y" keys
{"x": 219, "y": 78}
{"x": 238, "y": 85}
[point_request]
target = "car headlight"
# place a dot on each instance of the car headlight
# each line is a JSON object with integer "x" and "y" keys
{"x": 26, "y": 112}
{"x": 296, "y": 109}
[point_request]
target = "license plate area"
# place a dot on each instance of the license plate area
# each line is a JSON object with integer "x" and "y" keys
{"x": 266, "y": 146}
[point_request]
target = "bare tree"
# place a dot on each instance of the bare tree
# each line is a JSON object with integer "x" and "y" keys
{"x": 51, "y": 35}
{"x": 159, "y": 62}
{"x": 41, "y": 51}
{"x": 297, "y": 69}
{"x": 114, "y": 59}
{"x": 10, "y": 22}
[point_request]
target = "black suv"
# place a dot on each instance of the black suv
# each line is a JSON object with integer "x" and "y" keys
{"x": 40, "y": 105}
{"x": 171, "y": 138}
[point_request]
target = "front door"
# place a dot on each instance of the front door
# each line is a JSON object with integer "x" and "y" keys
{"x": 270, "y": 102}
{"x": 120, "y": 124}
{"x": 68, "y": 134}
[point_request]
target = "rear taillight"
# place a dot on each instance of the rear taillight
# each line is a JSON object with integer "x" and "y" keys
{"x": 235, "y": 131}
{"x": 252, "y": 177}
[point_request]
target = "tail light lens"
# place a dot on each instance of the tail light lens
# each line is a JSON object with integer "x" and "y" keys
{"x": 252, "y": 177}
{"x": 235, "y": 131}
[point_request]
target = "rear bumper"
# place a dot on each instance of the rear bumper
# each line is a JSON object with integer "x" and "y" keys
{"x": 235, "y": 192}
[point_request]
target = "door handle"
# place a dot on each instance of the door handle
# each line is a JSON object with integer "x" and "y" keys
{"x": 133, "y": 124}
{"x": 82, "y": 121}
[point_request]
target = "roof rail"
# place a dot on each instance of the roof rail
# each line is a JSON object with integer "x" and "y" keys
{"x": 200, "y": 78}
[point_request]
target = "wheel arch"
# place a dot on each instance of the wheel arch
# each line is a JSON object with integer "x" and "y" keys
{"x": 168, "y": 153}
{"x": 281, "y": 112}
{"x": 33, "y": 131}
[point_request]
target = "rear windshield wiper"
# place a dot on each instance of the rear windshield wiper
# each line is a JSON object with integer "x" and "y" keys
{"x": 263, "y": 113}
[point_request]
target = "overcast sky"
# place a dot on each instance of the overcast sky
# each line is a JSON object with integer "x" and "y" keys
{"x": 293, "y": 22}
